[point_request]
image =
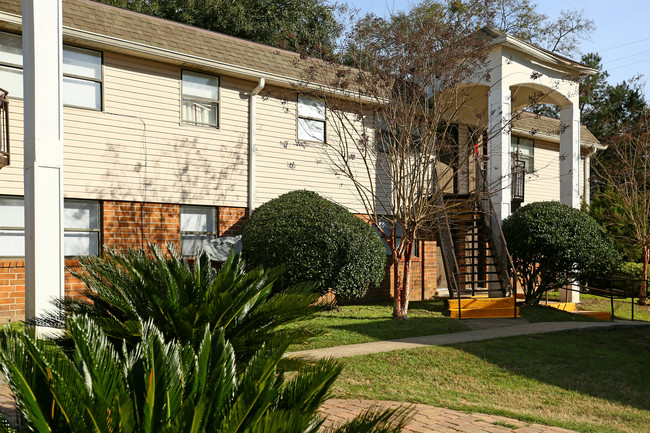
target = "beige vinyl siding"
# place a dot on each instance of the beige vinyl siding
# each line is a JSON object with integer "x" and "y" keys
{"x": 137, "y": 149}
{"x": 285, "y": 165}
{"x": 544, "y": 183}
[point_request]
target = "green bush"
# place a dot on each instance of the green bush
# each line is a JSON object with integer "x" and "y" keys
{"x": 128, "y": 288}
{"x": 553, "y": 245}
{"x": 315, "y": 240}
{"x": 167, "y": 386}
{"x": 627, "y": 277}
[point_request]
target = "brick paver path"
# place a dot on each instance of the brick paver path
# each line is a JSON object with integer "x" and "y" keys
{"x": 434, "y": 419}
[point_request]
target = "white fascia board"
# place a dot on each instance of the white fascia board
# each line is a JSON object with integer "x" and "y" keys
{"x": 161, "y": 54}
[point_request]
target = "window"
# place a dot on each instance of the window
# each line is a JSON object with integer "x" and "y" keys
{"x": 12, "y": 226}
{"x": 82, "y": 72}
{"x": 200, "y": 99}
{"x": 11, "y": 64}
{"x": 198, "y": 224}
{"x": 82, "y": 78}
{"x": 523, "y": 149}
{"x": 81, "y": 222}
{"x": 311, "y": 119}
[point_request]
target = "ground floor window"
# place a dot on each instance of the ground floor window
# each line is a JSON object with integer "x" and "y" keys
{"x": 198, "y": 224}
{"x": 80, "y": 221}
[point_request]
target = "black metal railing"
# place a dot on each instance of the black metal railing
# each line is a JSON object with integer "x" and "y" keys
{"x": 518, "y": 175}
{"x": 4, "y": 128}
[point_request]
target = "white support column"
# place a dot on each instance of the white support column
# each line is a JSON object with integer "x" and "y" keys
{"x": 44, "y": 259}
{"x": 570, "y": 155}
{"x": 569, "y": 170}
{"x": 499, "y": 148}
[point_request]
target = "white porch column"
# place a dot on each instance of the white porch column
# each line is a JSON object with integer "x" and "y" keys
{"x": 569, "y": 169}
{"x": 570, "y": 155}
{"x": 42, "y": 41}
{"x": 499, "y": 148}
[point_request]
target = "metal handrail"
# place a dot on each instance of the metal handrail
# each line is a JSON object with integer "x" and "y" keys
{"x": 447, "y": 245}
{"x": 4, "y": 126}
{"x": 496, "y": 234}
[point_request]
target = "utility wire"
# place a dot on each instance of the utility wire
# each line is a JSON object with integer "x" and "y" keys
{"x": 624, "y": 45}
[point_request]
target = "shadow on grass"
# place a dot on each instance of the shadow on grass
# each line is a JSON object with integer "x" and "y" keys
{"x": 611, "y": 364}
{"x": 353, "y": 324}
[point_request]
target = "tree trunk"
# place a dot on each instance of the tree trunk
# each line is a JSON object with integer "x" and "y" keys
{"x": 643, "y": 294}
{"x": 403, "y": 286}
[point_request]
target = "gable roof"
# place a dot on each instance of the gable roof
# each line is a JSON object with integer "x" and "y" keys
{"x": 100, "y": 25}
{"x": 548, "y": 128}
{"x": 501, "y": 38}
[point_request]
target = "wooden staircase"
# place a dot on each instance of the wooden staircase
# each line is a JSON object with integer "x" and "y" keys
{"x": 474, "y": 253}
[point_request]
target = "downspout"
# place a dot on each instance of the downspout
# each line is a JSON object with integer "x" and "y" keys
{"x": 251, "y": 144}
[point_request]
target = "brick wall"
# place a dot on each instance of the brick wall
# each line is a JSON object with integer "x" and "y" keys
{"x": 132, "y": 224}
{"x": 231, "y": 220}
{"x": 12, "y": 290}
{"x": 422, "y": 278}
{"x": 124, "y": 225}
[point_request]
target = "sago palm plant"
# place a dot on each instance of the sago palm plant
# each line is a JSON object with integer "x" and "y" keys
{"x": 163, "y": 385}
{"x": 126, "y": 289}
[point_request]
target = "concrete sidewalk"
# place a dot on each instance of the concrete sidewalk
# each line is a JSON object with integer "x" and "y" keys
{"x": 458, "y": 337}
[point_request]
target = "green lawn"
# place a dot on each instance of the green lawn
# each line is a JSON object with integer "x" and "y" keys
{"x": 352, "y": 324}
{"x": 622, "y": 308}
{"x": 590, "y": 381}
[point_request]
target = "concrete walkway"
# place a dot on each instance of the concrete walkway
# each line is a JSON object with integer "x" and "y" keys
{"x": 433, "y": 419}
{"x": 457, "y": 337}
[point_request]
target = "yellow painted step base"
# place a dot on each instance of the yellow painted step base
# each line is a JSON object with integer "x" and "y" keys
{"x": 483, "y": 313}
{"x": 481, "y": 303}
{"x": 564, "y": 306}
{"x": 602, "y": 315}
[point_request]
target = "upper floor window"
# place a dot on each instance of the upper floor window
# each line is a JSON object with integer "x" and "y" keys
{"x": 82, "y": 72}
{"x": 82, "y": 78}
{"x": 80, "y": 221}
{"x": 11, "y": 64}
{"x": 198, "y": 224}
{"x": 311, "y": 119}
{"x": 523, "y": 149}
{"x": 200, "y": 99}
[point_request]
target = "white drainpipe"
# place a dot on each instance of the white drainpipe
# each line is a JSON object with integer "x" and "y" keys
{"x": 251, "y": 145}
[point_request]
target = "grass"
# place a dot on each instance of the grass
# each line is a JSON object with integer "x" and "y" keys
{"x": 353, "y": 324}
{"x": 622, "y": 308}
{"x": 589, "y": 381}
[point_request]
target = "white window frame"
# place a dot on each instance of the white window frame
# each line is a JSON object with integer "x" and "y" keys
{"x": 309, "y": 117}
{"x": 197, "y": 100}
{"x": 516, "y": 153}
{"x": 20, "y": 230}
{"x": 68, "y": 231}
{"x": 87, "y": 78}
{"x": 207, "y": 234}
{"x": 14, "y": 67}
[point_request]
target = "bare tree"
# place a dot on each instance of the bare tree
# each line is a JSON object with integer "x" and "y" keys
{"x": 626, "y": 186}
{"x": 390, "y": 124}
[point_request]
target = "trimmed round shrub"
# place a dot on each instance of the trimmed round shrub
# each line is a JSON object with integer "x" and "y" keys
{"x": 315, "y": 240}
{"x": 553, "y": 245}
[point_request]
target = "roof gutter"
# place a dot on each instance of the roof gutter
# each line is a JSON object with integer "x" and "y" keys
{"x": 252, "y": 123}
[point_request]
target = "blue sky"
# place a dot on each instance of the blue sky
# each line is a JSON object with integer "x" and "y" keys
{"x": 622, "y": 35}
